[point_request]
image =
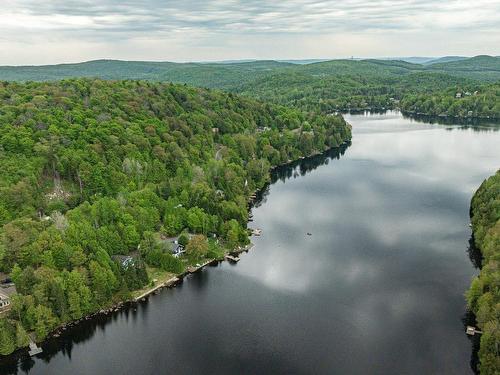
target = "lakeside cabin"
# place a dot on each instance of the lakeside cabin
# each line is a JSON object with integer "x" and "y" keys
{"x": 7, "y": 288}
{"x": 4, "y": 301}
{"x": 172, "y": 245}
{"x": 177, "y": 249}
{"x": 125, "y": 261}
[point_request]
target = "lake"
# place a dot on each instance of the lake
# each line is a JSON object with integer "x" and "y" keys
{"x": 378, "y": 287}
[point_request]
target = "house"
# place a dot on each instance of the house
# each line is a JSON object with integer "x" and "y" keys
{"x": 177, "y": 249}
{"x": 7, "y": 289}
{"x": 261, "y": 129}
{"x": 4, "y": 301}
{"x": 172, "y": 245}
{"x": 125, "y": 261}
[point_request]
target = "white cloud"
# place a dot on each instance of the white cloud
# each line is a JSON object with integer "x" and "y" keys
{"x": 244, "y": 29}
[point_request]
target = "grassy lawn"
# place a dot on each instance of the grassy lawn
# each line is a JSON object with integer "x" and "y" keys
{"x": 154, "y": 274}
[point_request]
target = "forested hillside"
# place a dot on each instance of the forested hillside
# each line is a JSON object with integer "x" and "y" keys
{"x": 322, "y": 86}
{"x": 480, "y": 63}
{"x": 483, "y": 296}
{"x": 223, "y": 76}
{"x": 343, "y": 93}
{"x": 463, "y": 101}
{"x": 92, "y": 169}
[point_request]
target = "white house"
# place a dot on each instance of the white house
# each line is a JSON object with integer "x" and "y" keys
{"x": 4, "y": 301}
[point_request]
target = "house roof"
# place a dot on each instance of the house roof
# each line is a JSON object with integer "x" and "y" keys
{"x": 121, "y": 258}
{"x": 177, "y": 248}
{"x": 8, "y": 290}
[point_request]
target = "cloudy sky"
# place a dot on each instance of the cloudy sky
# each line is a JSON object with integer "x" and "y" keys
{"x": 52, "y": 31}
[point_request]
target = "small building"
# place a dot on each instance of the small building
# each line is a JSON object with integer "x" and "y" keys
{"x": 458, "y": 95}
{"x": 262, "y": 129}
{"x": 172, "y": 245}
{"x": 4, "y": 301}
{"x": 7, "y": 289}
{"x": 125, "y": 261}
{"x": 177, "y": 249}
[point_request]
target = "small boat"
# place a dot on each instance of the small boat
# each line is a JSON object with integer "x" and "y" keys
{"x": 257, "y": 232}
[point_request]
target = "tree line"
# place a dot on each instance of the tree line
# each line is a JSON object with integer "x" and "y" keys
{"x": 472, "y": 101}
{"x": 483, "y": 296}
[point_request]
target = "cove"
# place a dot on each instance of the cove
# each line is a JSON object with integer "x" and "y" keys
{"x": 376, "y": 288}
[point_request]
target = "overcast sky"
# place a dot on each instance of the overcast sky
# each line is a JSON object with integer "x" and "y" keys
{"x": 45, "y": 31}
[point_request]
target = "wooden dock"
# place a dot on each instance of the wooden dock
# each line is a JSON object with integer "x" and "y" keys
{"x": 34, "y": 349}
{"x": 198, "y": 267}
{"x": 231, "y": 258}
{"x": 471, "y": 331}
{"x": 240, "y": 250}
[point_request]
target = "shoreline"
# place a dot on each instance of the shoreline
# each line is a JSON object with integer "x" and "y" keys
{"x": 170, "y": 283}
{"x": 416, "y": 115}
{"x": 177, "y": 279}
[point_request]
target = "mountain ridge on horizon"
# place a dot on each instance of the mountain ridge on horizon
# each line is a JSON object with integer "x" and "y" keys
{"x": 233, "y": 75}
{"x": 421, "y": 60}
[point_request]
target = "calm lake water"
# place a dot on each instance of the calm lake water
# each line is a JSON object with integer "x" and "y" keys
{"x": 376, "y": 289}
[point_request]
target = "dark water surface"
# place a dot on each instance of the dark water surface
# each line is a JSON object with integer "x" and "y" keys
{"x": 377, "y": 289}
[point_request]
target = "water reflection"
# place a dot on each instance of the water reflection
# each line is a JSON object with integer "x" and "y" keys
{"x": 469, "y": 318}
{"x": 376, "y": 288}
{"x": 475, "y": 124}
{"x": 475, "y": 255}
{"x": 299, "y": 168}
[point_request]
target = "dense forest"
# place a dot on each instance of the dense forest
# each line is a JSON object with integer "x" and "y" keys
{"x": 91, "y": 170}
{"x": 328, "y": 86}
{"x": 482, "y": 101}
{"x": 350, "y": 92}
{"x": 483, "y": 296}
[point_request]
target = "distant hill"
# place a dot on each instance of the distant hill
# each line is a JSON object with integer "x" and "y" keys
{"x": 403, "y": 64}
{"x": 230, "y": 75}
{"x": 483, "y": 67}
{"x": 413, "y": 59}
{"x": 323, "y": 86}
{"x": 477, "y": 63}
{"x": 304, "y": 61}
{"x": 209, "y": 75}
{"x": 444, "y": 59}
